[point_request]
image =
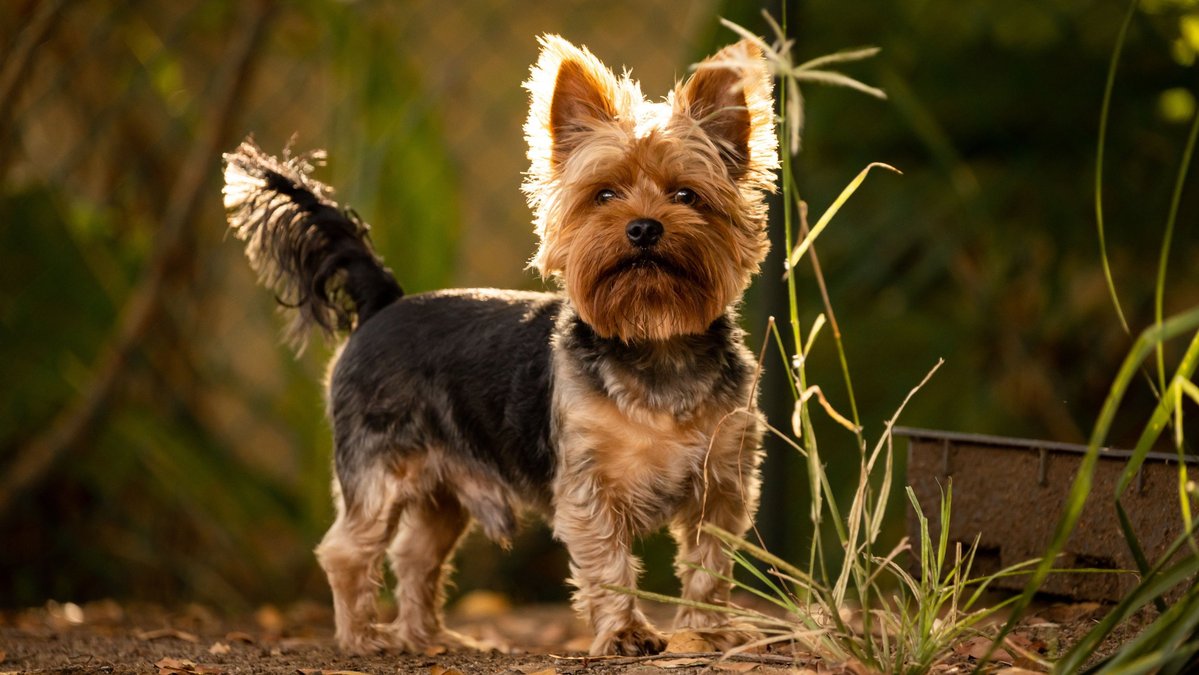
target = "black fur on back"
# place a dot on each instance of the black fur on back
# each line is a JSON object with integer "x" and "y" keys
{"x": 316, "y": 256}
{"x": 467, "y": 372}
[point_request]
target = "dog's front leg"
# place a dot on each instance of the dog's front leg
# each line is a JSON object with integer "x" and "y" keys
{"x": 598, "y": 539}
{"x": 729, "y": 502}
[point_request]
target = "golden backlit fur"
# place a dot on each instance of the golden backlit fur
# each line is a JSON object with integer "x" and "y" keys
{"x": 621, "y": 405}
{"x": 713, "y": 135}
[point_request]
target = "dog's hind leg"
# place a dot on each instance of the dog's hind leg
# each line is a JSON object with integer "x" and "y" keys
{"x": 351, "y": 555}
{"x": 429, "y": 531}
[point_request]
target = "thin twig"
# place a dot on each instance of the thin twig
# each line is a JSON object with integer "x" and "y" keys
{"x": 17, "y": 68}
{"x": 35, "y": 458}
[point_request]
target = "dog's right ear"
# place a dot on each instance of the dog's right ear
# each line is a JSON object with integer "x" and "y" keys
{"x": 571, "y": 93}
{"x": 730, "y": 98}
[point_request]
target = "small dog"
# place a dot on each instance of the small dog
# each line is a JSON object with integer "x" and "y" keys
{"x": 622, "y": 404}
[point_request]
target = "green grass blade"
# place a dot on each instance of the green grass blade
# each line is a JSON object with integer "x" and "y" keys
{"x": 1159, "y": 289}
{"x": 1134, "y": 547}
{"x": 832, "y": 210}
{"x": 1081, "y": 486}
{"x": 780, "y": 597}
{"x": 839, "y": 57}
{"x": 788, "y": 367}
{"x": 671, "y": 600}
{"x": 1182, "y": 662}
{"x": 1161, "y": 639}
{"x": 739, "y": 544}
{"x": 1158, "y": 581}
{"x": 832, "y": 318}
{"x": 1149, "y": 435}
{"x": 836, "y": 79}
{"x": 1104, "y": 112}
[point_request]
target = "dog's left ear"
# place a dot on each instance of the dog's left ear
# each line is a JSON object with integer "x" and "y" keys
{"x": 571, "y": 94}
{"x": 729, "y": 97}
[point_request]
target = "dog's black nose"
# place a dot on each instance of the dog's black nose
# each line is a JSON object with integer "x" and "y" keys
{"x": 644, "y": 232}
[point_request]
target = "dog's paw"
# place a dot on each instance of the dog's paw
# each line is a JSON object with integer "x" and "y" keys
{"x": 368, "y": 639}
{"x": 635, "y": 640}
{"x": 723, "y": 637}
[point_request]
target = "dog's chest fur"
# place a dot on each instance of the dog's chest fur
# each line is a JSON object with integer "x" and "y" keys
{"x": 642, "y": 422}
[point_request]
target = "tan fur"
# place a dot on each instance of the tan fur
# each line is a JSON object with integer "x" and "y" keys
{"x": 627, "y": 463}
{"x": 626, "y": 470}
{"x": 589, "y": 130}
{"x": 414, "y": 512}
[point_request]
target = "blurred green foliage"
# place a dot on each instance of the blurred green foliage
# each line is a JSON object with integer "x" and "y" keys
{"x": 205, "y": 473}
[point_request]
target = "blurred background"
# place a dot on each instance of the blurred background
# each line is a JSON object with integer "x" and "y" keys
{"x": 157, "y": 440}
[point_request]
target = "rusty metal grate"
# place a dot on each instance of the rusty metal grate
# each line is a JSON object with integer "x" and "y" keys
{"x": 1010, "y": 493}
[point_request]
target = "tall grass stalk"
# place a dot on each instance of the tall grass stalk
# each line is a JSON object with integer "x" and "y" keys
{"x": 865, "y": 606}
{"x": 1104, "y": 112}
{"x": 1159, "y": 290}
{"x": 1145, "y": 344}
{"x": 907, "y": 631}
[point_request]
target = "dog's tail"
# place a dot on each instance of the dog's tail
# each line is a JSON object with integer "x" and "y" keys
{"x": 316, "y": 256}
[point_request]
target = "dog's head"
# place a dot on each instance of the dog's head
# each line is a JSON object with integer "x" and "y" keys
{"x": 652, "y": 215}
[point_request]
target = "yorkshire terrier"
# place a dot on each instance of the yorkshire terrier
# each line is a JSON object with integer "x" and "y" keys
{"x": 623, "y": 403}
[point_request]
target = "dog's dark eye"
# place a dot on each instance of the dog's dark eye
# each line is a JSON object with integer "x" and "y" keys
{"x": 685, "y": 196}
{"x": 605, "y": 195}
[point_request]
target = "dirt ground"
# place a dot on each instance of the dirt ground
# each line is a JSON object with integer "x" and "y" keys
{"x": 108, "y": 637}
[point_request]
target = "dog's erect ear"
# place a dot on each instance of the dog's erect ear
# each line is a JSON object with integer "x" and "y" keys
{"x": 729, "y": 96}
{"x": 571, "y": 92}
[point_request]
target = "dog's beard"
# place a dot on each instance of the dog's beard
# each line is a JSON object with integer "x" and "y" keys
{"x": 649, "y": 295}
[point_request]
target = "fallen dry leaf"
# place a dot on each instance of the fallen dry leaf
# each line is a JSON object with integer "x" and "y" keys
{"x": 173, "y": 665}
{"x": 439, "y": 670}
{"x": 543, "y": 671}
{"x": 687, "y": 642}
{"x": 162, "y": 633}
{"x": 435, "y": 650}
{"x": 1026, "y": 649}
{"x": 219, "y": 648}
